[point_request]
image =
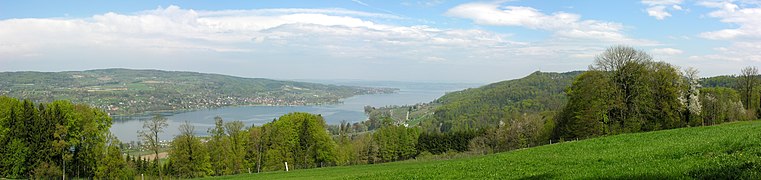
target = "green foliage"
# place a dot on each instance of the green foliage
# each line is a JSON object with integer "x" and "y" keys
{"x": 237, "y": 135}
{"x": 298, "y": 138}
{"x": 485, "y": 107}
{"x": 721, "y": 105}
{"x": 188, "y": 157}
{"x": 437, "y": 143}
{"x": 15, "y": 155}
{"x": 719, "y": 81}
{"x": 727, "y": 151}
{"x": 219, "y": 148}
{"x": 46, "y": 170}
{"x": 34, "y": 140}
{"x": 396, "y": 143}
{"x": 666, "y": 85}
{"x": 346, "y": 153}
{"x": 255, "y": 148}
{"x": 526, "y": 131}
{"x": 113, "y": 165}
{"x": 586, "y": 114}
{"x": 301, "y": 139}
{"x": 747, "y": 84}
{"x": 420, "y": 114}
{"x": 624, "y": 92}
{"x": 227, "y": 147}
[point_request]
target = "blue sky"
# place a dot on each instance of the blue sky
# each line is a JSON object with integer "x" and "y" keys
{"x": 407, "y": 40}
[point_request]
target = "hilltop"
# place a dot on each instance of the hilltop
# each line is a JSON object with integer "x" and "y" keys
{"x": 128, "y": 91}
{"x": 483, "y": 107}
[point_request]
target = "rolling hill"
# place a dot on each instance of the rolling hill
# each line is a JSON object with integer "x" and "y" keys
{"x": 127, "y": 91}
{"x": 485, "y": 106}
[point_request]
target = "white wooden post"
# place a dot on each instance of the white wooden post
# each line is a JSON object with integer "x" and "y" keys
{"x": 286, "y": 166}
{"x": 142, "y": 177}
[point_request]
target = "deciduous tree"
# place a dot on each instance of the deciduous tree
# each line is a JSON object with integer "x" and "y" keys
{"x": 747, "y": 82}
{"x": 188, "y": 156}
{"x": 150, "y": 135}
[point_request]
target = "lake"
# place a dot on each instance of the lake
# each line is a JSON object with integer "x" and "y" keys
{"x": 351, "y": 110}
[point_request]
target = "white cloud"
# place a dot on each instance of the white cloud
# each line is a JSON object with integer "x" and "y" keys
{"x": 744, "y": 39}
{"x": 661, "y": 2}
{"x": 666, "y": 51}
{"x": 423, "y": 3}
{"x": 360, "y": 2}
{"x": 270, "y": 12}
{"x": 563, "y": 25}
{"x": 660, "y": 8}
{"x": 433, "y": 59}
{"x": 263, "y": 40}
{"x": 332, "y": 32}
{"x": 659, "y": 12}
{"x": 747, "y": 18}
{"x": 737, "y": 52}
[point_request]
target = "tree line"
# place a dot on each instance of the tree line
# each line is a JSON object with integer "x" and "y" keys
{"x": 58, "y": 139}
{"x": 627, "y": 91}
{"x": 624, "y": 91}
{"x": 292, "y": 141}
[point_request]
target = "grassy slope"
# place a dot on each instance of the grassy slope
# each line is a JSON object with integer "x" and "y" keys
{"x": 672, "y": 154}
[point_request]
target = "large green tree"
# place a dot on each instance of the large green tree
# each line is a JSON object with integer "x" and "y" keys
{"x": 219, "y": 148}
{"x": 112, "y": 164}
{"x": 255, "y": 147}
{"x": 188, "y": 156}
{"x": 301, "y": 139}
{"x": 627, "y": 70}
{"x": 666, "y": 86}
{"x": 589, "y": 103}
{"x": 396, "y": 142}
{"x": 624, "y": 91}
{"x": 237, "y": 134}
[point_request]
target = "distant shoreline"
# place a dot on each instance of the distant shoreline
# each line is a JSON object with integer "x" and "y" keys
{"x": 173, "y": 112}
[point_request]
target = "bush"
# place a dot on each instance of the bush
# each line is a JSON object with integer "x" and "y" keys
{"x": 46, "y": 171}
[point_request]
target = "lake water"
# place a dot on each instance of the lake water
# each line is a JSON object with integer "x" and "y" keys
{"x": 351, "y": 110}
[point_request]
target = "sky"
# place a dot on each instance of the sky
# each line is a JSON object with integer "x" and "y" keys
{"x": 397, "y": 40}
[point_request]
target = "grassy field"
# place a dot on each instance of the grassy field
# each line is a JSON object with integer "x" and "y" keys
{"x": 731, "y": 151}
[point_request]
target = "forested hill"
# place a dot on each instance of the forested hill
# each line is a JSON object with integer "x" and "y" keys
{"x": 127, "y": 91}
{"x": 486, "y": 106}
{"x": 719, "y": 81}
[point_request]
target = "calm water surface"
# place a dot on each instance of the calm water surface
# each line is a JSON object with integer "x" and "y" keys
{"x": 351, "y": 110}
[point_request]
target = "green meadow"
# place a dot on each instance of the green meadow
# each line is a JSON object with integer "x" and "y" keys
{"x": 731, "y": 150}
